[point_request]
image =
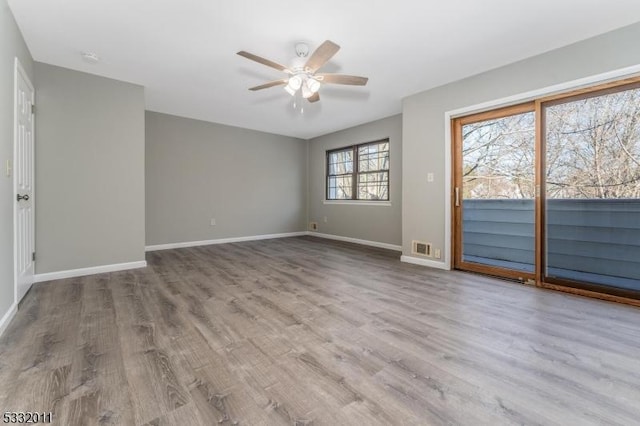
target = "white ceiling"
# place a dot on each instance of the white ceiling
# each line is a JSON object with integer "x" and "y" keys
{"x": 183, "y": 51}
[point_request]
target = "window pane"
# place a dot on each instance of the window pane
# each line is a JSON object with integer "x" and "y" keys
{"x": 498, "y": 170}
{"x": 340, "y": 188}
{"x": 373, "y": 186}
{"x": 498, "y": 158}
{"x": 341, "y": 162}
{"x": 593, "y": 190}
{"x": 341, "y": 168}
{"x": 373, "y": 157}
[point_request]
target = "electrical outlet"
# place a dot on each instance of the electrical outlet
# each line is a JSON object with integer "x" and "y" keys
{"x": 9, "y": 168}
{"x": 437, "y": 253}
{"x": 429, "y": 177}
{"x": 213, "y": 222}
{"x": 313, "y": 226}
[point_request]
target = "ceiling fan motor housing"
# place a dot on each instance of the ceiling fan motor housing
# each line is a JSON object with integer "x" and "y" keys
{"x": 302, "y": 49}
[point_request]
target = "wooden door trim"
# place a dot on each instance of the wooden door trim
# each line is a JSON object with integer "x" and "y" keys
{"x": 497, "y": 113}
{"x": 456, "y": 182}
{"x": 627, "y": 298}
{"x": 497, "y": 271}
{"x": 540, "y": 194}
{"x": 456, "y": 176}
{"x": 586, "y": 92}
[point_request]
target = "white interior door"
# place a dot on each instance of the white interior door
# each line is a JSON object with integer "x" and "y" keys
{"x": 23, "y": 162}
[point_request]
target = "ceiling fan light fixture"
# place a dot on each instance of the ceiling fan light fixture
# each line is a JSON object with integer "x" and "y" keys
{"x": 290, "y": 90}
{"x": 313, "y": 85}
{"x": 306, "y": 92}
{"x": 295, "y": 82}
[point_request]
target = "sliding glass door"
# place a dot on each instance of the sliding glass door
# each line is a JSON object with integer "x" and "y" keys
{"x": 592, "y": 189}
{"x": 549, "y": 191}
{"x": 495, "y": 191}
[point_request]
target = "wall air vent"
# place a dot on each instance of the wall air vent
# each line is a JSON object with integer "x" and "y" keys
{"x": 421, "y": 248}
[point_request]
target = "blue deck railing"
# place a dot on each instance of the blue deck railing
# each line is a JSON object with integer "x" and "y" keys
{"x": 593, "y": 240}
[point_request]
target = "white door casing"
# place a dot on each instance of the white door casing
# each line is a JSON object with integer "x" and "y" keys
{"x": 23, "y": 183}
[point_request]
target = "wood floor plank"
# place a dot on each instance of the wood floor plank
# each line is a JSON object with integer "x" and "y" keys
{"x": 21, "y": 333}
{"x": 307, "y": 331}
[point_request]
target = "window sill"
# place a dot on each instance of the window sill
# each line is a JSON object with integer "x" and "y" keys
{"x": 358, "y": 202}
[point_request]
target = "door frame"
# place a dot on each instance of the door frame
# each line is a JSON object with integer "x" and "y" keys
{"x": 480, "y": 106}
{"x": 540, "y": 96}
{"x": 20, "y": 71}
{"x": 456, "y": 201}
{"x": 564, "y": 284}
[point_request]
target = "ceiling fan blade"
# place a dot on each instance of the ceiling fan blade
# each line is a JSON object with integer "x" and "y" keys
{"x": 264, "y": 61}
{"x": 314, "y": 98}
{"x": 269, "y": 84}
{"x": 352, "y": 80}
{"x": 322, "y": 55}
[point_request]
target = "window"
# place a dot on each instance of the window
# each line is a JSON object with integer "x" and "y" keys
{"x": 359, "y": 172}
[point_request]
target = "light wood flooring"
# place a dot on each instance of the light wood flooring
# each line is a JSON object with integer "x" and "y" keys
{"x": 304, "y": 331}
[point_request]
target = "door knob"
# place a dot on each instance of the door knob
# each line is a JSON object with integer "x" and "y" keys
{"x": 23, "y": 197}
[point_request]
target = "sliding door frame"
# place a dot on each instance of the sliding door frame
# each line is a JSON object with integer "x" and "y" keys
{"x": 536, "y": 104}
{"x": 540, "y": 199}
{"x": 577, "y": 287}
{"x": 456, "y": 200}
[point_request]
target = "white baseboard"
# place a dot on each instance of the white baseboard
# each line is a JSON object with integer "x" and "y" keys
{"x": 6, "y": 319}
{"x": 58, "y": 275}
{"x": 425, "y": 262}
{"x": 356, "y": 241}
{"x": 222, "y": 241}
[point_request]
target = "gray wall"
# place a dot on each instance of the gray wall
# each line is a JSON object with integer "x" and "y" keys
{"x": 89, "y": 170}
{"x": 423, "y": 210}
{"x": 11, "y": 45}
{"x": 252, "y": 183}
{"x": 373, "y": 223}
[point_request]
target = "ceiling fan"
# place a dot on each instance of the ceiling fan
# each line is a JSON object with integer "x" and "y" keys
{"x": 304, "y": 78}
